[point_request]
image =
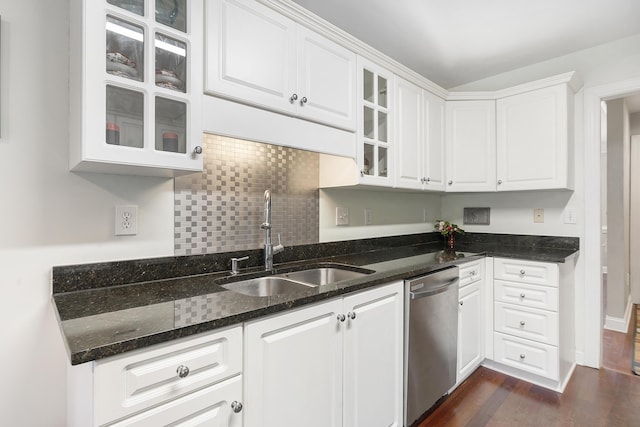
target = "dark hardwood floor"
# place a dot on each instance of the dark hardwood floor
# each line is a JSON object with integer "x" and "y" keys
{"x": 594, "y": 397}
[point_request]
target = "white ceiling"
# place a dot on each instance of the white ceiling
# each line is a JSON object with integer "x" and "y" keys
{"x": 453, "y": 42}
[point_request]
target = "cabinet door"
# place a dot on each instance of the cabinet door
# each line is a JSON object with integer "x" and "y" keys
{"x": 373, "y": 364}
{"x": 471, "y": 145}
{"x": 470, "y": 329}
{"x": 326, "y": 87}
{"x": 250, "y": 54}
{"x": 433, "y": 152}
{"x": 409, "y": 135}
{"x": 293, "y": 368}
{"x": 375, "y": 124}
{"x": 533, "y": 140}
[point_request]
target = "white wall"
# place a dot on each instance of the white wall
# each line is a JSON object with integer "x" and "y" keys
{"x": 393, "y": 213}
{"x": 618, "y": 155}
{"x": 51, "y": 216}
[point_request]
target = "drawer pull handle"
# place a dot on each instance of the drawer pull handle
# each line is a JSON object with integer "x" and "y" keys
{"x": 182, "y": 371}
{"x": 522, "y": 272}
{"x": 341, "y": 317}
{"x": 472, "y": 273}
{"x": 522, "y": 295}
{"x": 522, "y": 323}
{"x": 522, "y": 356}
{"x": 351, "y": 315}
{"x": 236, "y": 406}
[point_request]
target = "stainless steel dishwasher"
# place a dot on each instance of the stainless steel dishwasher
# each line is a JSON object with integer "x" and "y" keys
{"x": 431, "y": 334}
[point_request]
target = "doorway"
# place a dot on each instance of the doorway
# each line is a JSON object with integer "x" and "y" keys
{"x": 593, "y": 308}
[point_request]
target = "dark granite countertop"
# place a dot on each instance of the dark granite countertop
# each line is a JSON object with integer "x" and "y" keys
{"x": 110, "y": 308}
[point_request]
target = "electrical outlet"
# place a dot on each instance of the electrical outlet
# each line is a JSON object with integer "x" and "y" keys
{"x": 368, "y": 216}
{"x": 126, "y": 220}
{"x": 425, "y": 217}
{"x": 538, "y": 215}
{"x": 342, "y": 216}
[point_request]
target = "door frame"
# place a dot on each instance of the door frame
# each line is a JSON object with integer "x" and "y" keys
{"x": 593, "y": 319}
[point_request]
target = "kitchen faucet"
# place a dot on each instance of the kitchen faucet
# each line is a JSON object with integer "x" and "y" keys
{"x": 269, "y": 249}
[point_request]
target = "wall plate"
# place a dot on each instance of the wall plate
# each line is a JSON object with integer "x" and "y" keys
{"x": 476, "y": 216}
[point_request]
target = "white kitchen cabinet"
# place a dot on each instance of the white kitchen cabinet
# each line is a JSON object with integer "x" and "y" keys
{"x": 433, "y": 175}
{"x": 136, "y": 86}
{"x": 535, "y": 141}
{"x": 192, "y": 380}
{"x": 470, "y": 319}
{"x": 373, "y": 358}
{"x": 409, "y": 126}
{"x": 534, "y": 323}
{"x": 375, "y": 146}
{"x": 337, "y": 363}
{"x": 471, "y": 145}
{"x": 257, "y": 56}
{"x": 419, "y": 140}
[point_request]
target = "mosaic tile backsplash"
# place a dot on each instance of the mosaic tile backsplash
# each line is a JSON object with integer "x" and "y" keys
{"x": 221, "y": 209}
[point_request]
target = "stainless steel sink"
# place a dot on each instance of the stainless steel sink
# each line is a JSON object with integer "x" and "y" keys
{"x": 266, "y": 286}
{"x": 324, "y": 275}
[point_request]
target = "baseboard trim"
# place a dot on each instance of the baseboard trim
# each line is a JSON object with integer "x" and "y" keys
{"x": 618, "y": 324}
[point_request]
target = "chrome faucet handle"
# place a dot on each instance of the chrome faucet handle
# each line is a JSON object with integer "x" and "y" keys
{"x": 279, "y": 247}
{"x": 234, "y": 264}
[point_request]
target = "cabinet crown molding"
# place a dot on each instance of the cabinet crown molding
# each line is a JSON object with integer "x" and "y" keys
{"x": 570, "y": 78}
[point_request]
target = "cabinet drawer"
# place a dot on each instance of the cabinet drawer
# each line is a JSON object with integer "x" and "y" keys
{"x": 470, "y": 272}
{"x": 515, "y": 270}
{"x": 537, "y": 358}
{"x": 543, "y": 297}
{"x": 134, "y": 381}
{"x": 210, "y": 406}
{"x": 529, "y": 323}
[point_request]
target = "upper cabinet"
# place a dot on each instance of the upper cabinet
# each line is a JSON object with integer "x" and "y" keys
{"x": 535, "y": 146}
{"x": 521, "y": 138}
{"x": 419, "y": 137}
{"x": 471, "y": 145}
{"x": 259, "y": 57}
{"x": 135, "y": 86}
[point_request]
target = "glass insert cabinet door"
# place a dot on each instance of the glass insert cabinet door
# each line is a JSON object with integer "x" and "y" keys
{"x": 375, "y": 117}
{"x": 131, "y": 84}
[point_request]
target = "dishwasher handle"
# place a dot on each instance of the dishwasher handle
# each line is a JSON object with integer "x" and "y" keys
{"x": 434, "y": 290}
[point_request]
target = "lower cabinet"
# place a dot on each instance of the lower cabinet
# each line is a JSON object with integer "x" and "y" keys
{"x": 337, "y": 363}
{"x": 470, "y": 319}
{"x": 534, "y": 325}
{"x": 187, "y": 382}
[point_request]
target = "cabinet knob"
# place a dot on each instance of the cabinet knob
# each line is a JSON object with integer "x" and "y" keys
{"x": 361, "y": 172}
{"x": 303, "y": 100}
{"x": 236, "y": 406}
{"x": 472, "y": 273}
{"x": 428, "y": 179}
{"x": 522, "y": 295}
{"x": 182, "y": 371}
{"x": 522, "y": 356}
{"x": 450, "y": 182}
{"x": 293, "y": 98}
{"x": 351, "y": 315}
{"x": 522, "y": 272}
{"x": 341, "y": 317}
{"x": 499, "y": 181}
{"x": 522, "y": 323}
{"x": 461, "y": 303}
{"x": 197, "y": 149}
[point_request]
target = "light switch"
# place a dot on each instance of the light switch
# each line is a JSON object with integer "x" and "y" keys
{"x": 538, "y": 215}
{"x": 570, "y": 215}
